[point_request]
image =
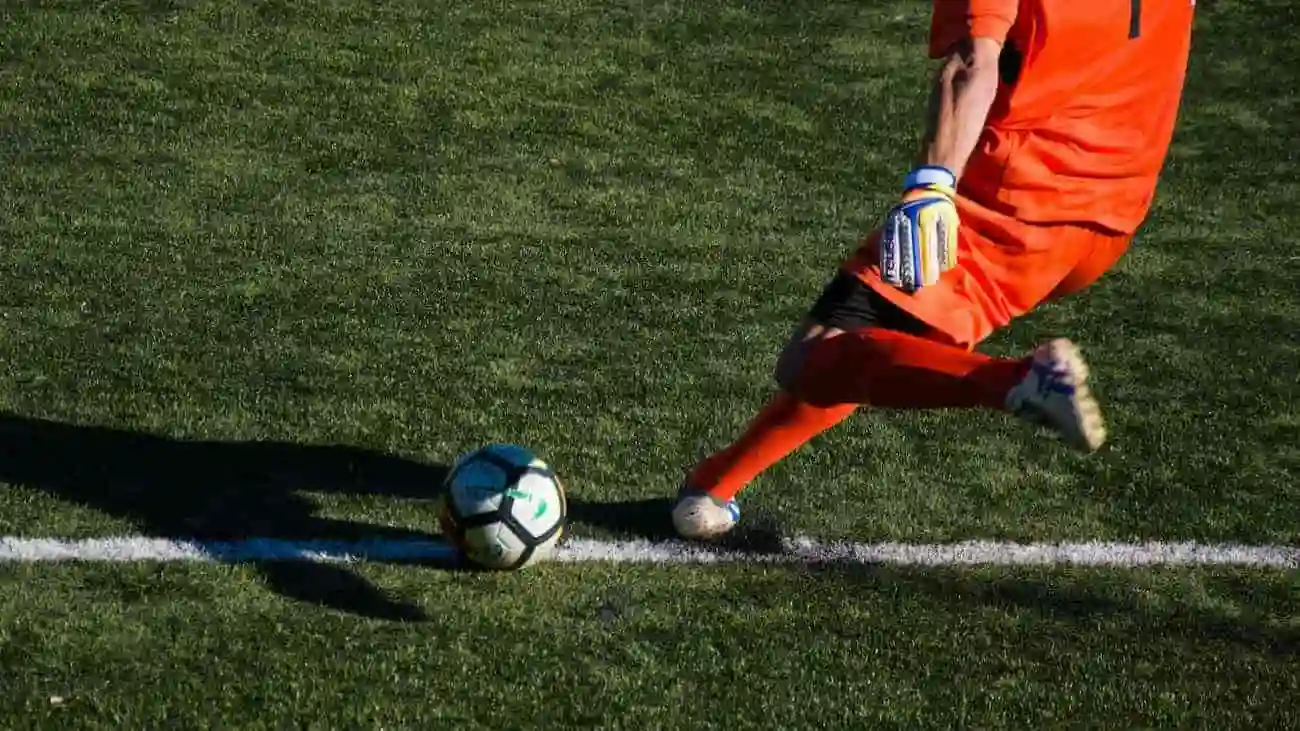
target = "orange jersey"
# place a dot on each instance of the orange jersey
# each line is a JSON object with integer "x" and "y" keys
{"x": 1085, "y": 112}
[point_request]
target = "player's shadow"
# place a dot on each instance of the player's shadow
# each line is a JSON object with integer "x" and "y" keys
{"x": 651, "y": 519}
{"x": 647, "y": 518}
{"x": 224, "y": 491}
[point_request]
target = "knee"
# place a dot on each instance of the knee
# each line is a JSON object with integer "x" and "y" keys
{"x": 796, "y": 359}
{"x": 789, "y": 366}
{"x": 799, "y": 364}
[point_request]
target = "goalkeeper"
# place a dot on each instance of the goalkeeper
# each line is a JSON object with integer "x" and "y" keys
{"x": 1048, "y": 125}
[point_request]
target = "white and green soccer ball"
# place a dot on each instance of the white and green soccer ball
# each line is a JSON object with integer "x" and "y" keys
{"x": 502, "y": 507}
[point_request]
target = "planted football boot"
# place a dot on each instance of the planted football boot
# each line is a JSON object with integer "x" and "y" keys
{"x": 700, "y": 516}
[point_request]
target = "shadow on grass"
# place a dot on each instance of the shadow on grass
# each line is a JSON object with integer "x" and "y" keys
{"x": 651, "y": 519}
{"x": 648, "y": 519}
{"x": 225, "y": 491}
{"x": 231, "y": 490}
{"x": 1090, "y": 602}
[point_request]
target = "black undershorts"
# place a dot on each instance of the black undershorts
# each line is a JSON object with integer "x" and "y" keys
{"x": 848, "y": 304}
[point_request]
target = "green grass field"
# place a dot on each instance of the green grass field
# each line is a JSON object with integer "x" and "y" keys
{"x": 267, "y": 267}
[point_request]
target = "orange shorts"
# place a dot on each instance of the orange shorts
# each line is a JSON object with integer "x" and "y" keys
{"x": 1005, "y": 268}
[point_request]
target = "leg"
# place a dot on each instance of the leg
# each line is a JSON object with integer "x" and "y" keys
{"x": 858, "y": 346}
{"x": 893, "y": 370}
{"x": 846, "y": 304}
{"x": 852, "y": 337}
{"x": 994, "y": 284}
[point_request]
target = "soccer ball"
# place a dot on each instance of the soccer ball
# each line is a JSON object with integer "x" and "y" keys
{"x": 502, "y": 507}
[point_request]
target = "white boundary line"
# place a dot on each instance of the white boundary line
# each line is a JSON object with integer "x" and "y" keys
{"x": 797, "y": 551}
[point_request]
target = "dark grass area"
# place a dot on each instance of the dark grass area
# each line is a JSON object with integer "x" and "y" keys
{"x": 266, "y": 267}
{"x": 630, "y": 647}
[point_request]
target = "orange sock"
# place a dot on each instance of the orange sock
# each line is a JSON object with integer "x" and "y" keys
{"x": 784, "y": 425}
{"x": 873, "y": 366}
{"x": 893, "y": 370}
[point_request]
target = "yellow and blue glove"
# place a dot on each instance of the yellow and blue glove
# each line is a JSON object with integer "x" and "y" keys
{"x": 918, "y": 242}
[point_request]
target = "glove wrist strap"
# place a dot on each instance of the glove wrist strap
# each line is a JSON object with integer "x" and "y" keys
{"x": 925, "y": 175}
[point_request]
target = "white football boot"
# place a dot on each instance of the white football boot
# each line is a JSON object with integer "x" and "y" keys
{"x": 1055, "y": 394}
{"x": 700, "y": 516}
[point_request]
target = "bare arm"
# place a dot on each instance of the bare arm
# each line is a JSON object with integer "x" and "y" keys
{"x": 960, "y": 101}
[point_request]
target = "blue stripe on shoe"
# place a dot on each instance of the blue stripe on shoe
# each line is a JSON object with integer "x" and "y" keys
{"x": 1049, "y": 381}
{"x": 733, "y": 507}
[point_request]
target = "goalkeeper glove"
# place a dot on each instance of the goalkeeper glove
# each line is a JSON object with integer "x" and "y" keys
{"x": 919, "y": 239}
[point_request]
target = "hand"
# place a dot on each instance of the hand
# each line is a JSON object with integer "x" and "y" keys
{"x": 918, "y": 242}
